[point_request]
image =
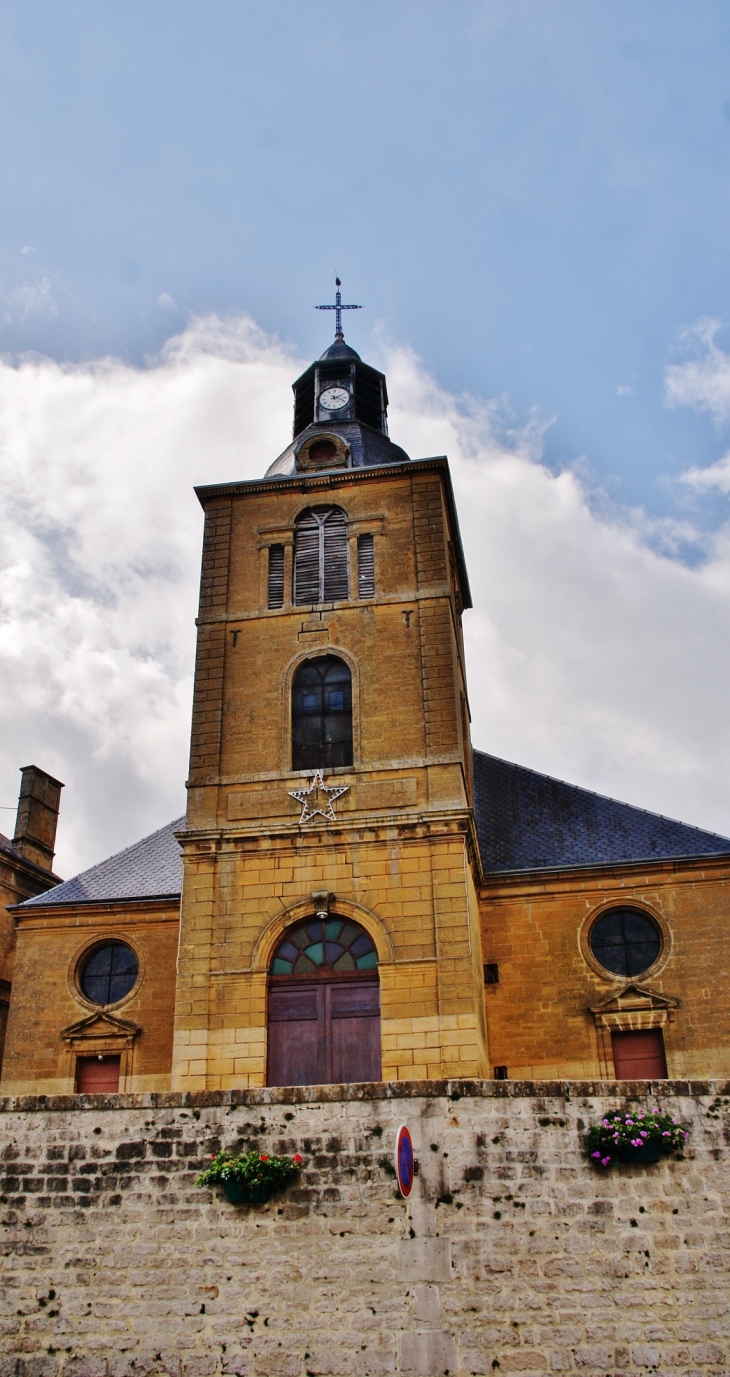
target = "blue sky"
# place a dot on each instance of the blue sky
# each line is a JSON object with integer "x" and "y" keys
{"x": 533, "y": 196}
{"x": 530, "y": 198}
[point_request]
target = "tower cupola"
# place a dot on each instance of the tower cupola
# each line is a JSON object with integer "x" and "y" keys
{"x": 340, "y": 411}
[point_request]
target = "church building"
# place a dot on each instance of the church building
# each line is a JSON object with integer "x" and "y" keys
{"x": 356, "y": 893}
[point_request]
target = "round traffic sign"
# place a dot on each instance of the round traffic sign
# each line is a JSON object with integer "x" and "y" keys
{"x": 405, "y": 1162}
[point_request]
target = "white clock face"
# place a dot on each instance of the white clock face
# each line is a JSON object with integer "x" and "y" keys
{"x": 334, "y": 398}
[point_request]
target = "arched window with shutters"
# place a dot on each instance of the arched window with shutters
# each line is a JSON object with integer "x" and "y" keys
{"x": 322, "y": 714}
{"x": 321, "y": 572}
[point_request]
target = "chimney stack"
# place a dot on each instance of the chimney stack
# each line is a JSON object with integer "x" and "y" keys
{"x": 35, "y": 825}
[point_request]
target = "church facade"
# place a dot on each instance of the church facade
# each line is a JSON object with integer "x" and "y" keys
{"x": 356, "y": 894}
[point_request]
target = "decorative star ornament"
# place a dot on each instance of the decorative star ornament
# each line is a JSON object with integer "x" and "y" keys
{"x": 318, "y": 799}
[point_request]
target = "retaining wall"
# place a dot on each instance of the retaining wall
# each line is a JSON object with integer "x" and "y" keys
{"x": 514, "y": 1255}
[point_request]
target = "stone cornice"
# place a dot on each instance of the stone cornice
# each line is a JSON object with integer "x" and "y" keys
{"x": 452, "y": 1090}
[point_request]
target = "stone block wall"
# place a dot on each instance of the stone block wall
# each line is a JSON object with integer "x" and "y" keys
{"x": 513, "y": 1255}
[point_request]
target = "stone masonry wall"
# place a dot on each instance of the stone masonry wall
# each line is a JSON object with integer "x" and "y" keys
{"x": 513, "y": 1256}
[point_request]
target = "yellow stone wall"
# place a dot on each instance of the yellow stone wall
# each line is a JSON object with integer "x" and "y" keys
{"x": 400, "y": 856}
{"x": 541, "y": 1023}
{"x": 46, "y": 998}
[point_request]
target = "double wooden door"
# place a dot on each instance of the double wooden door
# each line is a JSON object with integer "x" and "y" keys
{"x": 324, "y": 1032}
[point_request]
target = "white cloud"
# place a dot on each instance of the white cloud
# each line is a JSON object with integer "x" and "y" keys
{"x": 169, "y": 302}
{"x": 715, "y": 477}
{"x": 702, "y": 380}
{"x": 29, "y": 299}
{"x": 590, "y": 655}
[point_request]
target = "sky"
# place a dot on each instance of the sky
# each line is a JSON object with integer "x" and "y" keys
{"x": 530, "y": 202}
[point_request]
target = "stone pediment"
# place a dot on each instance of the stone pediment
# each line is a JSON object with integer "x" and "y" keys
{"x": 101, "y": 1025}
{"x": 635, "y": 998}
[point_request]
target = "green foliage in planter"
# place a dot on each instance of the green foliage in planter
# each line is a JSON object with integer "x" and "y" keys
{"x": 632, "y": 1129}
{"x": 252, "y": 1170}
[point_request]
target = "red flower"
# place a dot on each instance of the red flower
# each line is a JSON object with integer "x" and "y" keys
{"x": 297, "y": 1157}
{"x": 263, "y": 1157}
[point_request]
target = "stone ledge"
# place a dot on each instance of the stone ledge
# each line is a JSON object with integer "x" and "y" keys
{"x": 362, "y": 1091}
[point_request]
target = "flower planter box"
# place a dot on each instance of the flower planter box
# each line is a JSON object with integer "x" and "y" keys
{"x": 238, "y": 1193}
{"x": 248, "y": 1178}
{"x": 618, "y": 1137}
{"x": 645, "y": 1155}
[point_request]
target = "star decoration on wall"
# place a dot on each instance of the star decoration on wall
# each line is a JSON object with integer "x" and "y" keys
{"x": 318, "y": 799}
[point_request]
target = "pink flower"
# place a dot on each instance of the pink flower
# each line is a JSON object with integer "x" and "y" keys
{"x": 595, "y": 1154}
{"x": 644, "y": 1133}
{"x": 605, "y": 1161}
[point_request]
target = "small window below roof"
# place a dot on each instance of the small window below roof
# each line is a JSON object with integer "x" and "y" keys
{"x": 108, "y": 973}
{"x": 625, "y": 941}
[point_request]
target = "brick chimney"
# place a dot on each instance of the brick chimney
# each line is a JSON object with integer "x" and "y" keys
{"x": 35, "y": 825}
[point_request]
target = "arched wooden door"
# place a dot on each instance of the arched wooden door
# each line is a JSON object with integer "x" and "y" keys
{"x": 324, "y": 1005}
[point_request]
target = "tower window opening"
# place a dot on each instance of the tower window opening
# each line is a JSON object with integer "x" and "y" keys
{"x": 321, "y": 572}
{"x": 322, "y": 715}
{"x": 276, "y": 576}
{"x": 365, "y": 567}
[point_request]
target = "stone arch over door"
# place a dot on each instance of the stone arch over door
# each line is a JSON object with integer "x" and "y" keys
{"x": 324, "y": 1004}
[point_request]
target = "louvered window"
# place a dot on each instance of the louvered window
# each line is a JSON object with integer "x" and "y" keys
{"x": 276, "y": 576}
{"x": 365, "y": 567}
{"x": 321, "y": 556}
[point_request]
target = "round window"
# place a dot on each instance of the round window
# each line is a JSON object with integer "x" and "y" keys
{"x": 108, "y": 973}
{"x": 625, "y": 941}
{"x": 321, "y": 944}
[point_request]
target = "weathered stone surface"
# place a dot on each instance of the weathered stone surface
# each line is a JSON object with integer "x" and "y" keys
{"x": 537, "y": 1263}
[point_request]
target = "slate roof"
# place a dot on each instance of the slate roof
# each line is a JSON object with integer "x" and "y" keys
{"x": 528, "y": 821}
{"x": 150, "y": 869}
{"x": 368, "y": 448}
{"x": 525, "y": 821}
{"x": 7, "y": 846}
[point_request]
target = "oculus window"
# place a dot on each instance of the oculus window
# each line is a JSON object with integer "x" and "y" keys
{"x": 321, "y": 564}
{"x": 625, "y": 941}
{"x": 108, "y": 973}
{"x": 322, "y": 715}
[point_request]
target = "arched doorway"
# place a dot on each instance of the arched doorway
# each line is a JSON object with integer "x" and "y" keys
{"x": 324, "y": 1005}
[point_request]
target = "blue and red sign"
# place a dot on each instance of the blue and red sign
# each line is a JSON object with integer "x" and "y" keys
{"x": 405, "y": 1162}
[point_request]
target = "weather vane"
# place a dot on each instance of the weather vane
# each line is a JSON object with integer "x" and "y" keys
{"x": 339, "y": 308}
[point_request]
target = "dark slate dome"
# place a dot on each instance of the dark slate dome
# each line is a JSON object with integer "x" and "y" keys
{"x": 339, "y": 350}
{"x": 340, "y": 417}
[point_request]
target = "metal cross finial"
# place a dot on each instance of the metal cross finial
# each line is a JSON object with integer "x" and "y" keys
{"x": 339, "y": 308}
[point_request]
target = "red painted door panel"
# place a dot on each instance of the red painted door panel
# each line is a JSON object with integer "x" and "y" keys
{"x": 323, "y": 1033}
{"x": 639, "y": 1056}
{"x": 94, "y": 1077}
{"x": 296, "y": 1053}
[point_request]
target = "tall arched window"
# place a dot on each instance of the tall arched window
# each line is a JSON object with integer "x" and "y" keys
{"x": 321, "y": 556}
{"x": 322, "y": 714}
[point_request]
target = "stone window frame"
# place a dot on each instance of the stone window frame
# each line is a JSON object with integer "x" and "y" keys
{"x": 316, "y": 653}
{"x": 83, "y": 951}
{"x": 369, "y": 523}
{"x": 99, "y": 1034}
{"x": 642, "y": 906}
{"x": 632, "y": 1009}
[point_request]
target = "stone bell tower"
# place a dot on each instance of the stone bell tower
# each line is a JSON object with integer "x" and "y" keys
{"x": 330, "y": 767}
